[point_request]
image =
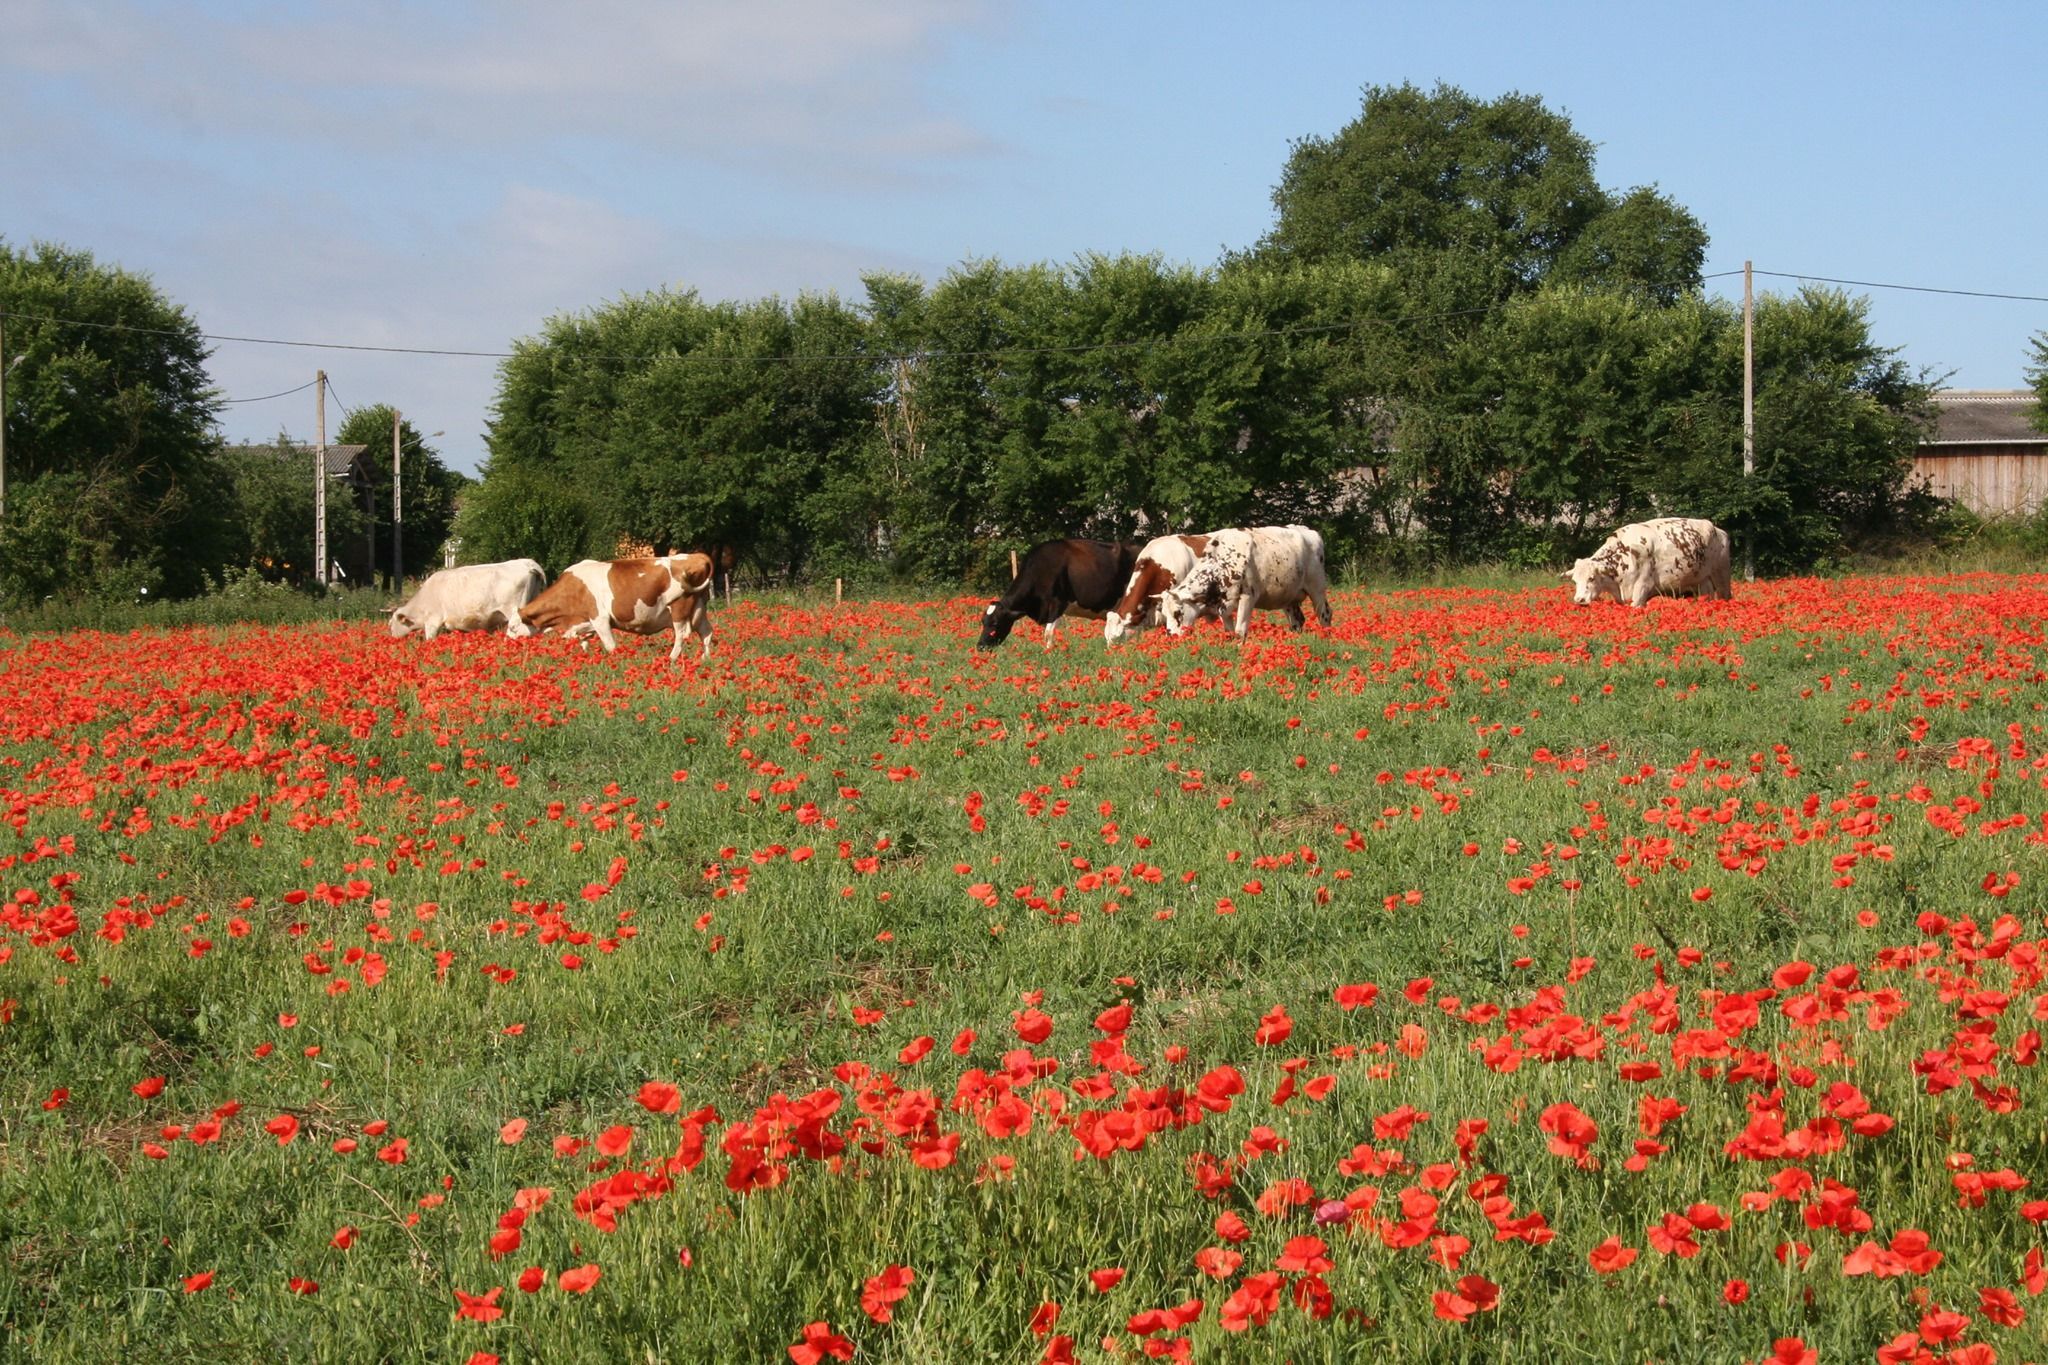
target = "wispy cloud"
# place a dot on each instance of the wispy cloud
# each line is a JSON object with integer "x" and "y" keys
{"x": 806, "y": 88}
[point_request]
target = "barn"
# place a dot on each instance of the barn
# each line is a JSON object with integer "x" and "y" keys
{"x": 1985, "y": 452}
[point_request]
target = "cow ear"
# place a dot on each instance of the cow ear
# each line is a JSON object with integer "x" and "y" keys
{"x": 1565, "y": 574}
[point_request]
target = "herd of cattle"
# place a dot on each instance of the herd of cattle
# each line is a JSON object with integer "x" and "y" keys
{"x": 1172, "y": 581}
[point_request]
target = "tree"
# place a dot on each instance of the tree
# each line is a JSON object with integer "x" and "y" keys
{"x": 111, "y": 400}
{"x": 1507, "y": 180}
{"x": 1507, "y": 183}
{"x": 2037, "y": 378}
{"x": 428, "y": 490}
{"x": 270, "y": 494}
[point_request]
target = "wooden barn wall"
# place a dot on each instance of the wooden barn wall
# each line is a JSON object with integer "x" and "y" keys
{"x": 1992, "y": 481}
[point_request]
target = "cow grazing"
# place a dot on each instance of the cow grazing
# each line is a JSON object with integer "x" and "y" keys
{"x": 1161, "y": 564}
{"x": 1267, "y": 568}
{"x": 1667, "y": 557}
{"x": 601, "y": 596}
{"x": 472, "y": 597}
{"x": 1083, "y": 577}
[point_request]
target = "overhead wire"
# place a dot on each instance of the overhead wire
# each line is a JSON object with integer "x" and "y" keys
{"x": 266, "y": 397}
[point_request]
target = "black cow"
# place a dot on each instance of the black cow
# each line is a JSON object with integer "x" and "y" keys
{"x": 1086, "y": 576}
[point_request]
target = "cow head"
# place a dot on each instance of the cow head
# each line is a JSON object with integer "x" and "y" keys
{"x": 1593, "y": 579}
{"x": 1179, "y": 607}
{"x": 401, "y": 624}
{"x": 996, "y": 623}
{"x": 516, "y": 627}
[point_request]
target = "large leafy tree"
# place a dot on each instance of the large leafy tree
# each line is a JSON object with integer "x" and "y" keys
{"x": 110, "y": 431}
{"x": 428, "y": 490}
{"x": 270, "y": 494}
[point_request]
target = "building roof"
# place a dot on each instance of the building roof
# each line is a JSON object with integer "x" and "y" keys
{"x": 340, "y": 459}
{"x": 1976, "y": 417}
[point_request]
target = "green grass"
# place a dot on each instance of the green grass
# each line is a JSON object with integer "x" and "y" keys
{"x": 1470, "y": 698}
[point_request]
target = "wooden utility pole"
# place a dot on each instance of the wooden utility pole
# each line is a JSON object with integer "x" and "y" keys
{"x": 397, "y": 512}
{"x": 1748, "y": 412}
{"x": 320, "y": 483}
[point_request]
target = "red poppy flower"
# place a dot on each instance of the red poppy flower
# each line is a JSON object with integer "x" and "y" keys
{"x": 659, "y": 1097}
{"x": 819, "y": 1343}
{"x": 579, "y": 1280}
{"x": 195, "y": 1283}
{"x": 1106, "y": 1279}
{"x": 1611, "y": 1256}
{"x": 480, "y": 1307}
{"x": 879, "y": 1295}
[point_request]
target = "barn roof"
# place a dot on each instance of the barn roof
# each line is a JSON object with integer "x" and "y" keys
{"x": 1976, "y": 417}
{"x": 340, "y": 459}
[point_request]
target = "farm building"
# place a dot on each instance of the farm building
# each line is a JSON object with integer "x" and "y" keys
{"x": 1985, "y": 452}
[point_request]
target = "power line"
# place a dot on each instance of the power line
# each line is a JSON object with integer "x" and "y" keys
{"x": 1910, "y": 288}
{"x": 700, "y": 356}
{"x": 264, "y": 398}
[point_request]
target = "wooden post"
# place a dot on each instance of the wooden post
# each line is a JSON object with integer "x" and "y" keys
{"x": 1013, "y": 564}
{"x": 320, "y": 483}
{"x": 397, "y": 511}
{"x": 1748, "y": 412}
{"x": 838, "y": 584}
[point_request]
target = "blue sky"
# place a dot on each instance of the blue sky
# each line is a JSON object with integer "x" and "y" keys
{"x": 450, "y": 174}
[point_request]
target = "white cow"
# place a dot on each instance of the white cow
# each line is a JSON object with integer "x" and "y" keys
{"x": 1268, "y": 568}
{"x": 472, "y": 597}
{"x": 1666, "y": 556}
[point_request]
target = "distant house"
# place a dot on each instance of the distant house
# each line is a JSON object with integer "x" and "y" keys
{"x": 1985, "y": 452}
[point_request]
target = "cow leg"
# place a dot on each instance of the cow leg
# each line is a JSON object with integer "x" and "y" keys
{"x": 602, "y": 628}
{"x": 680, "y": 627}
{"x": 701, "y": 619}
{"x": 1297, "y": 616}
{"x": 1241, "y": 626}
{"x": 1319, "y": 593}
{"x": 433, "y": 628}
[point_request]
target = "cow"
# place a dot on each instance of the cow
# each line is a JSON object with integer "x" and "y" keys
{"x": 1666, "y": 556}
{"x": 1161, "y": 564}
{"x": 601, "y": 596}
{"x": 471, "y": 597}
{"x": 1083, "y": 577}
{"x": 1267, "y": 568}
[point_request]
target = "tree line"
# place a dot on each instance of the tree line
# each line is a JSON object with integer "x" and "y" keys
{"x": 118, "y": 481}
{"x": 1453, "y": 345}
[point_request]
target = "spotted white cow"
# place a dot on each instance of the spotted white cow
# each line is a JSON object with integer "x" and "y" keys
{"x": 1663, "y": 557}
{"x": 471, "y": 597}
{"x": 599, "y": 597}
{"x": 1266, "y": 568}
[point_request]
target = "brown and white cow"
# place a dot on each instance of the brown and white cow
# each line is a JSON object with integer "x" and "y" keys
{"x": 1266, "y": 568}
{"x": 1662, "y": 557}
{"x": 645, "y": 596}
{"x": 1163, "y": 562}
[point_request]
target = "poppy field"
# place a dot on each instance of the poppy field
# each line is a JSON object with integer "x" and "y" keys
{"x": 1480, "y": 977}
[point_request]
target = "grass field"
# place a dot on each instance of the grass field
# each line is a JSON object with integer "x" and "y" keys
{"x": 1479, "y": 979}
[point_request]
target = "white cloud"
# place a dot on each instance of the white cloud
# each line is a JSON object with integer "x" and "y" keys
{"x": 468, "y": 286}
{"x": 806, "y": 88}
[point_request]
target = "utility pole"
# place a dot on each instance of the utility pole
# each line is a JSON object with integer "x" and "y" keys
{"x": 320, "y": 484}
{"x": 1748, "y": 412}
{"x": 397, "y": 511}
